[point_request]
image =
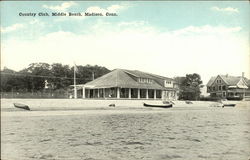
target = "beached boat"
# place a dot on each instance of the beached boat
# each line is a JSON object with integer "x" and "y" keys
{"x": 22, "y": 106}
{"x": 168, "y": 102}
{"x": 228, "y": 105}
{"x": 188, "y": 102}
{"x": 158, "y": 105}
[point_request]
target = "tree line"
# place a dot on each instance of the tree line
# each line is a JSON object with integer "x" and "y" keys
{"x": 39, "y": 76}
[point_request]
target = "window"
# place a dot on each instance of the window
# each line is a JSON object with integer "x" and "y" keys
{"x": 124, "y": 93}
{"x": 158, "y": 93}
{"x": 224, "y": 94}
{"x": 219, "y": 88}
{"x": 151, "y": 93}
{"x": 134, "y": 93}
{"x": 145, "y": 80}
{"x": 143, "y": 93}
{"x": 224, "y": 87}
{"x": 168, "y": 82}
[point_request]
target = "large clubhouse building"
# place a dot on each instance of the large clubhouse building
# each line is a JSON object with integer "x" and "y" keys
{"x": 129, "y": 84}
{"x": 229, "y": 87}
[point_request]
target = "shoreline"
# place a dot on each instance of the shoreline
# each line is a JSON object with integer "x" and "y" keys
{"x": 94, "y": 104}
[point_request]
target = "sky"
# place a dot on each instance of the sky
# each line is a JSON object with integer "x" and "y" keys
{"x": 165, "y": 37}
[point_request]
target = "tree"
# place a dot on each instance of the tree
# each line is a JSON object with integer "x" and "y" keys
{"x": 57, "y": 76}
{"x": 37, "y": 74}
{"x": 62, "y": 76}
{"x": 190, "y": 86}
{"x": 8, "y": 80}
{"x": 88, "y": 72}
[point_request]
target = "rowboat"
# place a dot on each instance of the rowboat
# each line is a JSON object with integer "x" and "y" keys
{"x": 159, "y": 106}
{"x": 228, "y": 105}
{"x": 188, "y": 102}
{"x": 22, "y": 106}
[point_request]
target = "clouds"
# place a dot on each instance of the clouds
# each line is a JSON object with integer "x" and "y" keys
{"x": 147, "y": 49}
{"x": 207, "y": 29}
{"x": 225, "y": 10}
{"x": 138, "y": 38}
{"x": 24, "y": 28}
{"x": 11, "y": 28}
{"x": 63, "y": 7}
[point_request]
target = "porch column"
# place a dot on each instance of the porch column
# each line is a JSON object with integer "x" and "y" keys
{"x": 83, "y": 92}
{"x": 98, "y": 93}
{"x": 244, "y": 93}
{"x": 154, "y": 93}
{"x": 118, "y": 92}
{"x": 162, "y": 95}
{"x": 146, "y": 93}
{"x": 103, "y": 92}
{"x": 138, "y": 94}
{"x": 129, "y": 93}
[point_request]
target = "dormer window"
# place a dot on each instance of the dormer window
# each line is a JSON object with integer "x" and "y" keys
{"x": 168, "y": 82}
{"x": 145, "y": 80}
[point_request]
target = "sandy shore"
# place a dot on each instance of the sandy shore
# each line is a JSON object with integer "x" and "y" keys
{"x": 124, "y": 132}
{"x": 87, "y": 104}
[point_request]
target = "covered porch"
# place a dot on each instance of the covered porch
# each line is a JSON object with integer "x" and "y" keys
{"x": 125, "y": 93}
{"x": 237, "y": 93}
{"x": 121, "y": 93}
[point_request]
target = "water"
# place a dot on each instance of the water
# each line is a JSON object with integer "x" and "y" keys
{"x": 119, "y": 134}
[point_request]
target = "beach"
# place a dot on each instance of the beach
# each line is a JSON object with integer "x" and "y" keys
{"x": 90, "y": 130}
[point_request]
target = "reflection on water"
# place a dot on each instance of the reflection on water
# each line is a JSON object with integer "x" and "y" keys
{"x": 182, "y": 133}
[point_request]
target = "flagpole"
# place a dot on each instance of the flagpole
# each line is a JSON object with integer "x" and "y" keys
{"x": 75, "y": 91}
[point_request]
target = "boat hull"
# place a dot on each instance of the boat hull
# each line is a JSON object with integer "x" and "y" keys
{"x": 158, "y": 106}
{"x": 22, "y": 106}
{"x": 229, "y": 105}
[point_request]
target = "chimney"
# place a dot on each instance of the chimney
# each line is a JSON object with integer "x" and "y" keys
{"x": 243, "y": 74}
{"x": 226, "y": 75}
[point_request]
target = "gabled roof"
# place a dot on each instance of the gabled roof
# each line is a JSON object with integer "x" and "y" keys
{"x": 121, "y": 78}
{"x": 248, "y": 82}
{"x": 229, "y": 80}
{"x": 211, "y": 81}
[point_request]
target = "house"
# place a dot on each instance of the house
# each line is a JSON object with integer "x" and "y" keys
{"x": 230, "y": 87}
{"x": 129, "y": 84}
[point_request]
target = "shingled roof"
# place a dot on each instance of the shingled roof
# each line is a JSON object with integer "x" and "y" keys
{"x": 146, "y": 74}
{"x": 229, "y": 80}
{"x": 211, "y": 81}
{"x": 124, "y": 79}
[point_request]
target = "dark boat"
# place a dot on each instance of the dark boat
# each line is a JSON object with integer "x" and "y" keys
{"x": 228, "y": 105}
{"x": 159, "y": 106}
{"x": 188, "y": 102}
{"x": 22, "y": 106}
